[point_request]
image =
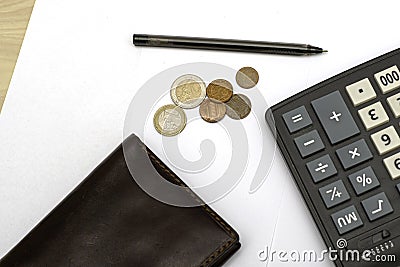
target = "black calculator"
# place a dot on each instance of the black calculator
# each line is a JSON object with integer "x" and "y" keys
{"x": 340, "y": 139}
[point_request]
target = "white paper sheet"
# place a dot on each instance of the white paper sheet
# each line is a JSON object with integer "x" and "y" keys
{"x": 78, "y": 71}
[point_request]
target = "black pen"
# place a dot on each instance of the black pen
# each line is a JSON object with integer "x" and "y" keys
{"x": 226, "y": 45}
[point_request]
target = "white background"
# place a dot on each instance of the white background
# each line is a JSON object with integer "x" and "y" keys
{"x": 78, "y": 71}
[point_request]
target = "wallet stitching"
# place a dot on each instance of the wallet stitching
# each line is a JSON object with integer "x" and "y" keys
{"x": 216, "y": 253}
{"x": 227, "y": 229}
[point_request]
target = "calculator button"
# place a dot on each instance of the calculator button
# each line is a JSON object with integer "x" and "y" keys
{"x": 398, "y": 187}
{"x": 388, "y": 79}
{"x": 354, "y": 154}
{"x": 335, "y": 117}
{"x": 394, "y": 104}
{"x": 309, "y": 143}
{"x": 347, "y": 219}
{"x": 373, "y": 115}
{"x": 361, "y": 92}
{"x": 297, "y": 119}
{"x": 321, "y": 168}
{"x": 364, "y": 180}
{"x": 392, "y": 164}
{"x": 377, "y": 206}
{"x": 386, "y": 140}
{"x": 333, "y": 194}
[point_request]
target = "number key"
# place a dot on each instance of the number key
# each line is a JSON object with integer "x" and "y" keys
{"x": 388, "y": 79}
{"x": 373, "y": 115}
{"x": 392, "y": 164}
{"x": 394, "y": 103}
{"x": 386, "y": 140}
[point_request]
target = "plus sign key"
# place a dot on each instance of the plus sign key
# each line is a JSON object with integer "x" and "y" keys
{"x": 354, "y": 154}
{"x": 335, "y": 117}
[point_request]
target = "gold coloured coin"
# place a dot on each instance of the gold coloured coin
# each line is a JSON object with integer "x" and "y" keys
{"x": 238, "y": 107}
{"x": 211, "y": 111}
{"x": 219, "y": 90}
{"x": 169, "y": 120}
{"x": 188, "y": 91}
{"x": 247, "y": 77}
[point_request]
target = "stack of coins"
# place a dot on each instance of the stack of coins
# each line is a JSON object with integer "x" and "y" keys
{"x": 215, "y": 100}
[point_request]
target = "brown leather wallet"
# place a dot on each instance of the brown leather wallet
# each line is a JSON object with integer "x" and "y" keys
{"x": 108, "y": 220}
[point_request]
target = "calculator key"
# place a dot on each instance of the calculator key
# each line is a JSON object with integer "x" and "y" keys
{"x": 364, "y": 180}
{"x": 377, "y": 206}
{"x": 321, "y": 168}
{"x": 347, "y": 219}
{"x": 333, "y": 194}
{"x": 392, "y": 164}
{"x": 398, "y": 187}
{"x": 335, "y": 117}
{"x": 297, "y": 119}
{"x": 373, "y": 115}
{"x": 386, "y": 140}
{"x": 361, "y": 92}
{"x": 309, "y": 143}
{"x": 388, "y": 79}
{"x": 394, "y": 104}
{"x": 354, "y": 154}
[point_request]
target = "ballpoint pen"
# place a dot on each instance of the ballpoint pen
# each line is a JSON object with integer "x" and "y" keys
{"x": 226, "y": 45}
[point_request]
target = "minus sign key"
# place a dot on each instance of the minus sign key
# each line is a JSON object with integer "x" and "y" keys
{"x": 309, "y": 143}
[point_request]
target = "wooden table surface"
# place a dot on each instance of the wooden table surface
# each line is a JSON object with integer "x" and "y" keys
{"x": 14, "y": 18}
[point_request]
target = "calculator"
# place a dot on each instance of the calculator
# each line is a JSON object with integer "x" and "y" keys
{"x": 340, "y": 139}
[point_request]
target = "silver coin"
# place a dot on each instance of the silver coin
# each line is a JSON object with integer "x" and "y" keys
{"x": 188, "y": 91}
{"x": 169, "y": 120}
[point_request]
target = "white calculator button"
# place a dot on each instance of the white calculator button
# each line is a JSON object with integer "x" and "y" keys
{"x": 373, "y": 115}
{"x": 360, "y": 92}
{"x": 394, "y": 103}
{"x": 392, "y": 164}
{"x": 386, "y": 140}
{"x": 388, "y": 79}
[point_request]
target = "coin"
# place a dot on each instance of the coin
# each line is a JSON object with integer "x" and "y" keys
{"x": 238, "y": 107}
{"x": 211, "y": 111}
{"x": 219, "y": 90}
{"x": 188, "y": 91}
{"x": 169, "y": 120}
{"x": 247, "y": 77}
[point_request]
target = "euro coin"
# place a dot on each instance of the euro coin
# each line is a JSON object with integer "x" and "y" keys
{"x": 238, "y": 107}
{"x": 188, "y": 91}
{"x": 211, "y": 111}
{"x": 169, "y": 120}
{"x": 247, "y": 77}
{"x": 219, "y": 90}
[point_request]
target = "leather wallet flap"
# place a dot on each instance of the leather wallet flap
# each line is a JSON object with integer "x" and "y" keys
{"x": 108, "y": 220}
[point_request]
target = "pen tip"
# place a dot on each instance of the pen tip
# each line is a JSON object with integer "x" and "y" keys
{"x": 324, "y": 51}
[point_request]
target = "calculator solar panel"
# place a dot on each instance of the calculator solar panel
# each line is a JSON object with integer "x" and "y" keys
{"x": 340, "y": 139}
